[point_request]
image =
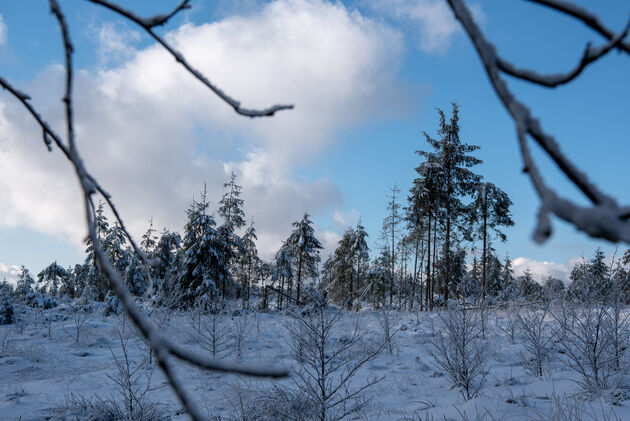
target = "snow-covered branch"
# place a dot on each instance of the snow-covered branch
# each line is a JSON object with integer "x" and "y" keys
{"x": 149, "y": 23}
{"x": 162, "y": 347}
{"x": 604, "y": 218}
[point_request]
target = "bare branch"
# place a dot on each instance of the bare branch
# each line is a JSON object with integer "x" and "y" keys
{"x": 90, "y": 186}
{"x": 586, "y": 17}
{"x": 590, "y": 56}
{"x": 605, "y": 218}
{"x": 148, "y": 24}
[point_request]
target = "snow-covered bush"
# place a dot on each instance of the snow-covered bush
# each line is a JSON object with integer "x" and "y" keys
{"x": 460, "y": 350}
{"x": 39, "y": 300}
{"x": 6, "y": 310}
{"x": 531, "y": 322}
{"x": 585, "y": 336}
{"x": 328, "y": 363}
{"x": 113, "y": 306}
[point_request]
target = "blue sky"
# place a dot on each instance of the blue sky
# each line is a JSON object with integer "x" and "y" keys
{"x": 366, "y": 77}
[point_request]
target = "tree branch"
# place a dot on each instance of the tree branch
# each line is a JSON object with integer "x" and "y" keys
{"x": 586, "y": 17}
{"x": 590, "y": 56}
{"x": 605, "y": 218}
{"x": 148, "y": 23}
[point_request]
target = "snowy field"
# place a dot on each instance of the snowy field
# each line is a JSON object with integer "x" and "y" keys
{"x": 62, "y": 364}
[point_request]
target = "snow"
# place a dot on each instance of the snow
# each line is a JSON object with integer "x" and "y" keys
{"x": 47, "y": 378}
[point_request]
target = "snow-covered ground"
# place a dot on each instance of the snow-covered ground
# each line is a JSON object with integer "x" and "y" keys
{"x": 58, "y": 377}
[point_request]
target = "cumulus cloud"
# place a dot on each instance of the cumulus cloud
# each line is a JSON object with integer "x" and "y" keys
{"x": 115, "y": 43}
{"x": 432, "y": 19}
{"x": 3, "y": 32}
{"x": 9, "y": 273}
{"x": 542, "y": 269}
{"x": 152, "y": 135}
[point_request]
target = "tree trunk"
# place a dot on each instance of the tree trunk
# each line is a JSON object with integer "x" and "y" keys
{"x": 299, "y": 277}
{"x": 429, "y": 298}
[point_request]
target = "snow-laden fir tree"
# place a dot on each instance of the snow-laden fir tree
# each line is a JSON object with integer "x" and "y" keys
{"x": 304, "y": 250}
{"x": 205, "y": 255}
{"x": 25, "y": 284}
{"x": 90, "y": 276}
{"x": 491, "y": 211}
{"x": 451, "y": 162}
{"x": 165, "y": 271}
{"x": 149, "y": 240}
{"x": 339, "y": 268}
{"x": 361, "y": 255}
{"x": 247, "y": 269}
{"x": 51, "y": 279}
{"x": 231, "y": 210}
{"x": 115, "y": 247}
{"x": 283, "y": 272}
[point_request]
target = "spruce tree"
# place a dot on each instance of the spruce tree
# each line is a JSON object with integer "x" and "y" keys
{"x": 231, "y": 210}
{"x": 304, "y": 250}
{"x": 451, "y": 161}
{"x": 25, "y": 283}
{"x": 491, "y": 211}
{"x": 51, "y": 278}
{"x": 205, "y": 254}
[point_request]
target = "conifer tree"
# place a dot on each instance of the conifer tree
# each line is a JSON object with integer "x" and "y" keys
{"x": 304, "y": 250}
{"x": 248, "y": 261}
{"x": 283, "y": 272}
{"x": 390, "y": 231}
{"x": 451, "y": 162}
{"x": 25, "y": 283}
{"x": 51, "y": 278}
{"x": 205, "y": 254}
{"x": 231, "y": 210}
{"x": 491, "y": 211}
{"x": 361, "y": 254}
{"x": 149, "y": 240}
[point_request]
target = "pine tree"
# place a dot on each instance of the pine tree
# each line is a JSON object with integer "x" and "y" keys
{"x": 231, "y": 210}
{"x": 361, "y": 255}
{"x": 304, "y": 250}
{"x": 248, "y": 262}
{"x": 390, "y": 231}
{"x": 91, "y": 276}
{"x": 25, "y": 283}
{"x": 283, "y": 272}
{"x": 340, "y": 270}
{"x": 451, "y": 161}
{"x": 205, "y": 254}
{"x": 115, "y": 247}
{"x": 51, "y": 278}
{"x": 423, "y": 214}
{"x": 149, "y": 240}
{"x": 167, "y": 253}
{"x": 491, "y": 211}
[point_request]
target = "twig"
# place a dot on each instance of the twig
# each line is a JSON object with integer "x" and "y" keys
{"x": 605, "y": 218}
{"x": 89, "y": 185}
{"x": 148, "y": 23}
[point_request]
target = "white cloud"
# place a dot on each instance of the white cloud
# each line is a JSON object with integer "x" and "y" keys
{"x": 542, "y": 269}
{"x": 9, "y": 273}
{"x": 115, "y": 43}
{"x": 152, "y": 135}
{"x": 432, "y": 19}
{"x": 3, "y": 32}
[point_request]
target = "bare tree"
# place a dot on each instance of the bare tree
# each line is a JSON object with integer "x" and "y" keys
{"x": 604, "y": 217}
{"x": 531, "y": 322}
{"x": 328, "y": 364}
{"x": 584, "y": 335}
{"x": 387, "y": 320}
{"x": 90, "y": 188}
{"x": 133, "y": 390}
{"x": 459, "y": 349}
